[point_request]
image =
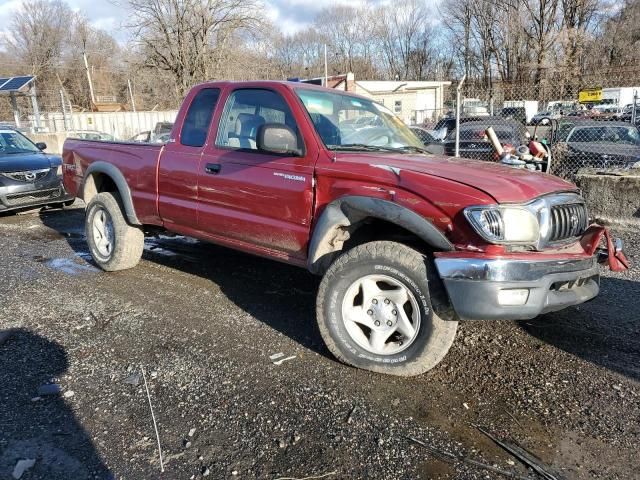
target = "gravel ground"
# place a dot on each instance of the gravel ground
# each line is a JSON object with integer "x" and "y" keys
{"x": 202, "y": 322}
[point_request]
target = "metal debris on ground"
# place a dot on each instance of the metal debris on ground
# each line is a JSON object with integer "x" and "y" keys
{"x": 325, "y": 475}
{"x": 525, "y": 457}
{"x": 350, "y": 416}
{"x": 22, "y": 466}
{"x": 277, "y": 359}
{"x": 133, "y": 379}
{"x": 153, "y": 417}
{"x": 453, "y": 458}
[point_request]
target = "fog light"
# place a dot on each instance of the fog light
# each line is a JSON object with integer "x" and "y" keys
{"x": 513, "y": 297}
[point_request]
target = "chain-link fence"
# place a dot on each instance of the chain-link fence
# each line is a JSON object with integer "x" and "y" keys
{"x": 560, "y": 127}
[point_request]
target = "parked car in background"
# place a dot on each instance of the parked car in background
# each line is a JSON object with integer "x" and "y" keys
{"x": 520, "y": 110}
{"x": 160, "y": 134}
{"x": 446, "y": 125}
{"x": 28, "y": 176}
{"x": 519, "y": 114}
{"x": 91, "y": 135}
{"x": 592, "y": 143}
{"x": 474, "y": 142}
{"x": 544, "y": 118}
{"x": 424, "y": 135}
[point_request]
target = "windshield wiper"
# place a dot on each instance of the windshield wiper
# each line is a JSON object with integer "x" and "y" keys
{"x": 361, "y": 147}
{"x": 411, "y": 148}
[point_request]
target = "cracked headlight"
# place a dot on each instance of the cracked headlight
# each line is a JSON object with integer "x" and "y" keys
{"x": 504, "y": 224}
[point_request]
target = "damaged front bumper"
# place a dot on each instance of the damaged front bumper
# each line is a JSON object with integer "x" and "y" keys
{"x": 521, "y": 288}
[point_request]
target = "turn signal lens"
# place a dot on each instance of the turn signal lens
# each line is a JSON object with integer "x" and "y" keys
{"x": 513, "y": 297}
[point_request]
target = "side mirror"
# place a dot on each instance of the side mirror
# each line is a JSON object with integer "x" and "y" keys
{"x": 41, "y": 146}
{"x": 278, "y": 138}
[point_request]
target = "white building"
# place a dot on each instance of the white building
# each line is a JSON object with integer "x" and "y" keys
{"x": 413, "y": 101}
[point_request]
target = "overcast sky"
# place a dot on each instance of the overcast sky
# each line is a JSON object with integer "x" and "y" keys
{"x": 289, "y": 15}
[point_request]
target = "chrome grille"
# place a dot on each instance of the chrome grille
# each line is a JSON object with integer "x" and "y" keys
{"x": 27, "y": 175}
{"x": 27, "y": 198}
{"x": 568, "y": 221}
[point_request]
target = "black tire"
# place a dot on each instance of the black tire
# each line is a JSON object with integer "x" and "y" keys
{"x": 128, "y": 241}
{"x": 434, "y": 336}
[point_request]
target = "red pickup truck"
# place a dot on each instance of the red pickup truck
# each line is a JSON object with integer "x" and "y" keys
{"x": 408, "y": 243}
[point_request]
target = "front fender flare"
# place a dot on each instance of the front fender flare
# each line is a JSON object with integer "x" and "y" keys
{"x": 89, "y": 190}
{"x": 330, "y": 233}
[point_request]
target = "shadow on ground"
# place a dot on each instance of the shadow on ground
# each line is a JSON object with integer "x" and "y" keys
{"x": 38, "y": 427}
{"x": 605, "y": 331}
{"x": 279, "y": 295}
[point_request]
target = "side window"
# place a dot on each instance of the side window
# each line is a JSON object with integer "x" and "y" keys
{"x": 198, "y": 118}
{"x": 246, "y": 111}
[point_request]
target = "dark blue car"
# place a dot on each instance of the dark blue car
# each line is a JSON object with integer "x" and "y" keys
{"x": 28, "y": 176}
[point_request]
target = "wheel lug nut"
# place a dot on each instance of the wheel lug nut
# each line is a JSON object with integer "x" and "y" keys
{"x": 389, "y": 323}
{"x": 374, "y": 301}
{"x": 369, "y": 312}
{"x": 377, "y": 323}
{"x": 386, "y": 301}
{"x": 395, "y": 312}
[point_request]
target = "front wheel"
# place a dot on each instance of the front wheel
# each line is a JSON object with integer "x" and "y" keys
{"x": 374, "y": 311}
{"x": 113, "y": 243}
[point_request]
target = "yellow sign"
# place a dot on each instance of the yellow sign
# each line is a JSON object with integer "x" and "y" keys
{"x": 590, "y": 95}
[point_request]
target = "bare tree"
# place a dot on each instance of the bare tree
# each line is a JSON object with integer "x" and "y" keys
{"x": 188, "y": 38}
{"x": 38, "y": 32}
{"x": 404, "y": 37}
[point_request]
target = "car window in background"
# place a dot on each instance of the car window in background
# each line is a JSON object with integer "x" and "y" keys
{"x": 425, "y": 137}
{"x": 246, "y": 111}
{"x": 479, "y": 133}
{"x": 198, "y": 118}
{"x": 13, "y": 142}
{"x": 563, "y": 131}
{"x": 606, "y": 134}
{"x": 344, "y": 121}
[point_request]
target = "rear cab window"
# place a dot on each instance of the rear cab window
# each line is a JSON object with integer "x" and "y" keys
{"x": 198, "y": 118}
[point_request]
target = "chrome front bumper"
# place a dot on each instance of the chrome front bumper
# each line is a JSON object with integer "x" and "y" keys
{"x": 474, "y": 285}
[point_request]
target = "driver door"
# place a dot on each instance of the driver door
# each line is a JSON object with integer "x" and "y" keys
{"x": 250, "y": 196}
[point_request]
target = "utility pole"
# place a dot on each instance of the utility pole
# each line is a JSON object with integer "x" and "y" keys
{"x": 133, "y": 102}
{"x": 326, "y": 77}
{"x": 458, "y": 112}
{"x": 86, "y": 66}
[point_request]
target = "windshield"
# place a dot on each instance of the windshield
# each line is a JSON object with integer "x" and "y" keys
{"x": 608, "y": 134}
{"x": 13, "y": 142}
{"x": 349, "y": 123}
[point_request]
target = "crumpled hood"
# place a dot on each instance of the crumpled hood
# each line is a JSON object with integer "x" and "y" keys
{"x": 28, "y": 161}
{"x": 504, "y": 184}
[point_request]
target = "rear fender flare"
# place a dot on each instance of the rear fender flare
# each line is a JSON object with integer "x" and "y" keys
{"x": 89, "y": 187}
{"x": 331, "y": 230}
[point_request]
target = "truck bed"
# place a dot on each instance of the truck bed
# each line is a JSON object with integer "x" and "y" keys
{"x": 138, "y": 162}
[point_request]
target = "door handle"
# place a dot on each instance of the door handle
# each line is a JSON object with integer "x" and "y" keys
{"x": 213, "y": 168}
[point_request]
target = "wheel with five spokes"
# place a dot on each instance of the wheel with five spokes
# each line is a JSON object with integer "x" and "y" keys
{"x": 113, "y": 243}
{"x": 374, "y": 311}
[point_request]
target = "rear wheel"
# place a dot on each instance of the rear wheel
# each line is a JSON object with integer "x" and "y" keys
{"x": 113, "y": 243}
{"x": 374, "y": 311}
